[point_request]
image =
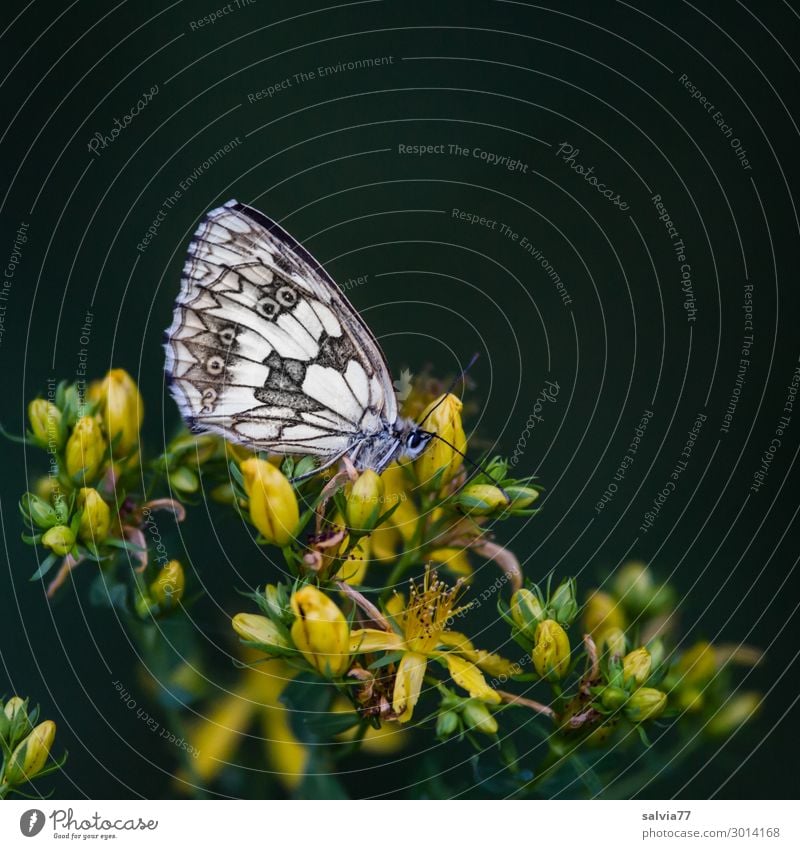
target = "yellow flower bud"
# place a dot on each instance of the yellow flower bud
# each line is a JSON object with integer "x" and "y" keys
{"x": 45, "y": 421}
{"x": 365, "y": 501}
{"x": 86, "y": 448}
{"x": 602, "y": 612}
{"x": 40, "y": 511}
{"x": 13, "y": 707}
{"x": 521, "y": 497}
{"x": 551, "y": 650}
{"x": 273, "y": 503}
{"x": 184, "y": 480}
{"x": 445, "y": 421}
{"x": 637, "y": 591}
{"x": 95, "y": 516}
{"x": 479, "y": 499}
{"x": 646, "y": 703}
{"x": 612, "y": 641}
{"x": 738, "y": 710}
{"x": 122, "y": 410}
{"x": 478, "y": 718}
{"x": 59, "y": 540}
{"x": 526, "y": 611}
{"x": 167, "y": 589}
{"x": 30, "y": 756}
{"x": 258, "y": 629}
{"x": 697, "y": 666}
{"x": 320, "y": 631}
{"x": 636, "y": 666}
{"x": 613, "y": 698}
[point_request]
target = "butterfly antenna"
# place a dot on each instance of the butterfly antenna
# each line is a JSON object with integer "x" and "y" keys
{"x": 453, "y": 385}
{"x": 477, "y": 467}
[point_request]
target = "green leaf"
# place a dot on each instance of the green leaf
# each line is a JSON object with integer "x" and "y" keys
{"x": 328, "y": 725}
{"x": 44, "y": 567}
{"x": 391, "y": 657}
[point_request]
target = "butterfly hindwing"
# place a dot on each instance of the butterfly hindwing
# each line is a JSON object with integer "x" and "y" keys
{"x": 265, "y": 349}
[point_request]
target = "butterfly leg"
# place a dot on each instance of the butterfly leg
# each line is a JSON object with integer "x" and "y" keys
{"x": 347, "y": 462}
{"x": 326, "y": 465}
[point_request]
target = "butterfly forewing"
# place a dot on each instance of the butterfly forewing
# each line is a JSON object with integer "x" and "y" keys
{"x": 265, "y": 349}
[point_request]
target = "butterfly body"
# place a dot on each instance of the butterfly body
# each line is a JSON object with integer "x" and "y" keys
{"x": 265, "y": 350}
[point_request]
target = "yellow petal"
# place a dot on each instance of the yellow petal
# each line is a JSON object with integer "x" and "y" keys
{"x": 371, "y": 639}
{"x": 218, "y": 734}
{"x": 468, "y": 676}
{"x": 408, "y": 684}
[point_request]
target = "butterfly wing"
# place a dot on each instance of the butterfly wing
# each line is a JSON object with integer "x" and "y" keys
{"x": 265, "y": 349}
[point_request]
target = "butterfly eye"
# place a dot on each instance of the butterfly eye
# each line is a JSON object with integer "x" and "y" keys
{"x": 215, "y": 365}
{"x": 415, "y": 440}
{"x": 287, "y": 297}
{"x": 227, "y": 336}
{"x": 268, "y": 307}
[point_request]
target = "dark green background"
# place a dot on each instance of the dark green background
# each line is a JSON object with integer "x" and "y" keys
{"x": 322, "y": 157}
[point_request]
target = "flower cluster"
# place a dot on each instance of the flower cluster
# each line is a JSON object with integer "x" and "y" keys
{"x": 374, "y": 622}
{"x": 25, "y": 745}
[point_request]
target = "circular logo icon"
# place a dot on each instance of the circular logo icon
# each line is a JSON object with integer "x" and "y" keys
{"x": 31, "y": 822}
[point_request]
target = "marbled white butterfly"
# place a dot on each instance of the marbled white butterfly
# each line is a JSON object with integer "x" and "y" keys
{"x": 265, "y": 349}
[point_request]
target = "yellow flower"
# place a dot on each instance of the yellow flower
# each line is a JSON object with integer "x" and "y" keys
{"x": 738, "y": 710}
{"x": 320, "y": 631}
{"x": 424, "y": 637}
{"x": 273, "y": 503}
{"x": 258, "y": 629}
{"x": 636, "y": 666}
{"x": 602, "y": 612}
{"x": 95, "y": 516}
{"x": 521, "y": 497}
{"x": 384, "y": 542}
{"x": 45, "y": 420}
{"x": 477, "y": 717}
{"x": 167, "y": 589}
{"x": 697, "y": 666}
{"x": 354, "y": 567}
{"x": 30, "y": 756}
{"x": 86, "y": 448}
{"x": 223, "y": 729}
{"x": 526, "y": 611}
{"x": 365, "y": 501}
{"x": 455, "y": 560}
{"x": 59, "y": 539}
{"x": 612, "y": 641}
{"x": 13, "y": 707}
{"x": 646, "y": 703}
{"x": 405, "y": 516}
{"x": 551, "y": 650}
{"x": 442, "y": 417}
{"x": 122, "y": 410}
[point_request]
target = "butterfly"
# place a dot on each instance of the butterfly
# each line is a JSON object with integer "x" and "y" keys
{"x": 265, "y": 350}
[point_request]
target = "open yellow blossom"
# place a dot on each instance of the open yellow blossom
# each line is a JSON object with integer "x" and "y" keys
{"x": 425, "y": 637}
{"x": 222, "y": 729}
